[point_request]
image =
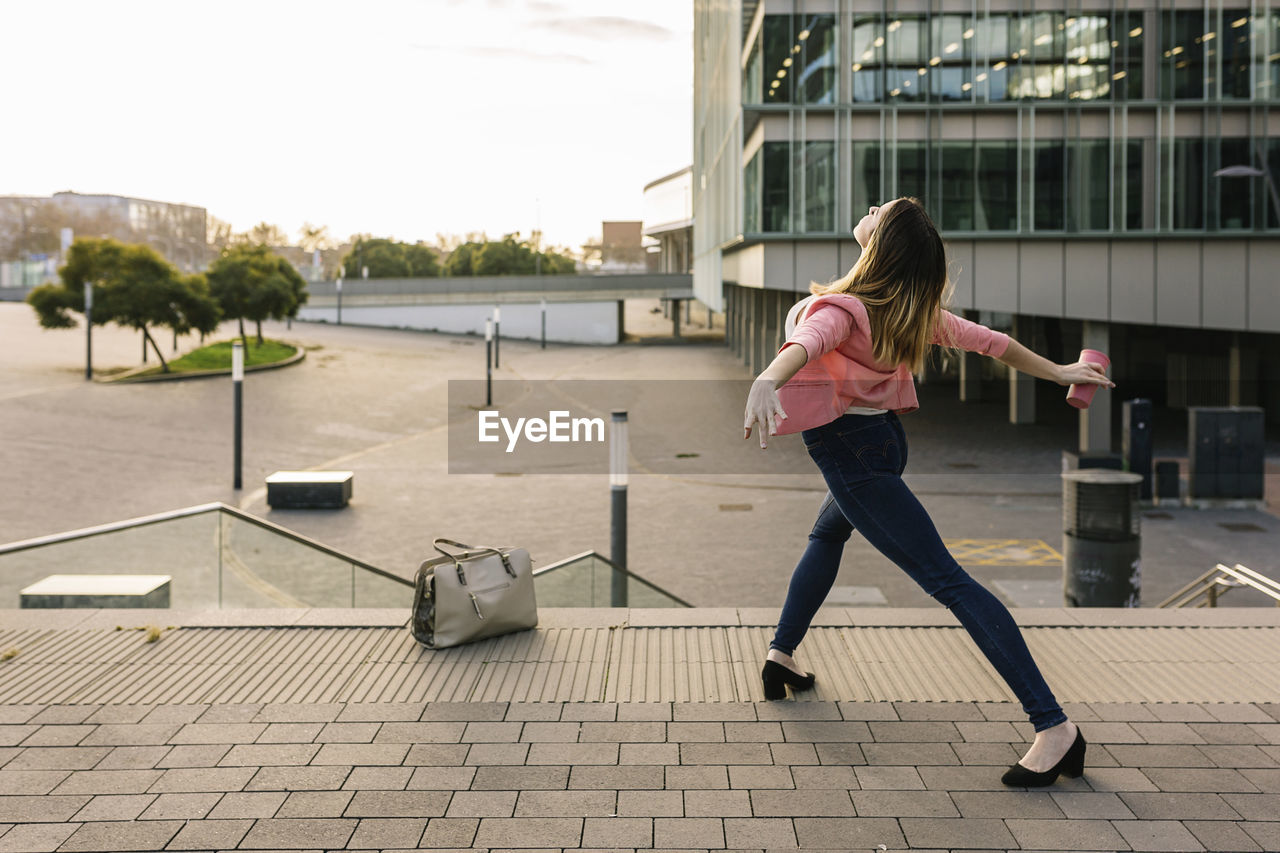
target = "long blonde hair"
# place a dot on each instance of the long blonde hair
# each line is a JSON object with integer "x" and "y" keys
{"x": 901, "y": 277}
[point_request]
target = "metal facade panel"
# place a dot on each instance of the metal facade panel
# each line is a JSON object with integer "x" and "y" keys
{"x": 1225, "y": 284}
{"x": 1178, "y": 282}
{"x": 1264, "y": 292}
{"x": 779, "y": 271}
{"x": 1087, "y": 279}
{"x": 995, "y": 282}
{"x": 1040, "y": 278}
{"x": 1132, "y": 282}
{"x": 818, "y": 262}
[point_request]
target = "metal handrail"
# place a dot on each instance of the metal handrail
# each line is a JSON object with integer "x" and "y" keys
{"x": 1217, "y": 582}
{"x": 559, "y": 564}
{"x": 188, "y": 512}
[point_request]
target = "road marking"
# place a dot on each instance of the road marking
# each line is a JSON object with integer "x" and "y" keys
{"x": 1003, "y": 552}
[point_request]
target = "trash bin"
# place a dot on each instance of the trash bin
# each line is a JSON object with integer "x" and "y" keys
{"x": 1101, "y": 538}
{"x": 1136, "y": 440}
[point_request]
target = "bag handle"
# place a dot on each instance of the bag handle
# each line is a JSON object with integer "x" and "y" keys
{"x": 469, "y": 551}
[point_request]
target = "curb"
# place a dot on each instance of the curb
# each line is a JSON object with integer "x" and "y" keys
{"x": 130, "y": 377}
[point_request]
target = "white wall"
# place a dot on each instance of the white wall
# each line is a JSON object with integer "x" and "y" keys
{"x": 567, "y": 322}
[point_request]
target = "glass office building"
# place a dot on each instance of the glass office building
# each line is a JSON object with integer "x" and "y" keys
{"x": 1072, "y": 154}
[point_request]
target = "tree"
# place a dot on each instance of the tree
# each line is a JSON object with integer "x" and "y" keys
{"x": 422, "y": 259}
{"x": 390, "y": 259}
{"x": 132, "y": 286}
{"x": 312, "y": 237}
{"x": 459, "y": 263}
{"x": 264, "y": 233}
{"x": 251, "y": 283}
{"x": 508, "y": 256}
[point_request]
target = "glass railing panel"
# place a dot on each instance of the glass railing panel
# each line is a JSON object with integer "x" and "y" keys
{"x": 374, "y": 590}
{"x": 261, "y": 568}
{"x": 186, "y": 549}
{"x": 587, "y": 581}
{"x": 574, "y": 584}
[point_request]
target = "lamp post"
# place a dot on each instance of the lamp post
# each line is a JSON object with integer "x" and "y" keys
{"x": 237, "y": 383}
{"x": 618, "y": 508}
{"x": 488, "y": 361}
{"x": 497, "y": 333}
{"x": 342, "y": 271}
{"x": 88, "y": 330}
{"x": 544, "y": 322}
{"x": 1253, "y": 172}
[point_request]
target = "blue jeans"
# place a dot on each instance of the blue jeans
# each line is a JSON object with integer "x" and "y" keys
{"x": 862, "y": 458}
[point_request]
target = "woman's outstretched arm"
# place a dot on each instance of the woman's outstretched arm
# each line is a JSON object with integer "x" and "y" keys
{"x": 763, "y": 406}
{"x": 1024, "y": 360}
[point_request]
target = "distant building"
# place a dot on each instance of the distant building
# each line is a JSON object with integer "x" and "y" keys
{"x": 621, "y": 248}
{"x": 668, "y": 221}
{"x": 30, "y": 226}
{"x": 1104, "y": 175}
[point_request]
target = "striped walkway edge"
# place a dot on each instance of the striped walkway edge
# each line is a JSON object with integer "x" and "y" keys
{"x": 88, "y": 663}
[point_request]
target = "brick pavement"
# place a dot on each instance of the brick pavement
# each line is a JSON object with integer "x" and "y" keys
{"x": 628, "y": 776}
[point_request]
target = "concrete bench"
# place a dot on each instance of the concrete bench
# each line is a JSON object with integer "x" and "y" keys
{"x": 309, "y": 489}
{"x": 58, "y": 591}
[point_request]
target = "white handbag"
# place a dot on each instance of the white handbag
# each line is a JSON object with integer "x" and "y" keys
{"x": 478, "y": 593}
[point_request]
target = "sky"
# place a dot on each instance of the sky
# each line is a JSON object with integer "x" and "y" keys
{"x": 397, "y": 118}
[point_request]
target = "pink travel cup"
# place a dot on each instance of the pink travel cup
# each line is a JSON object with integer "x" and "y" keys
{"x": 1081, "y": 395}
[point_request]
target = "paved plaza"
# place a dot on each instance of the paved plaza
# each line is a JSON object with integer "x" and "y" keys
{"x": 602, "y": 729}
{"x": 301, "y": 730}
{"x": 375, "y": 401}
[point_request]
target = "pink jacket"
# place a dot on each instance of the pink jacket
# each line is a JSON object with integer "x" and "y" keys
{"x": 841, "y": 370}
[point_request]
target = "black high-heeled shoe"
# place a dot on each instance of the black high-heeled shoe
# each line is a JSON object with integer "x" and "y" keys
{"x": 1071, "y": 764}
{"x": 776, "y": 677}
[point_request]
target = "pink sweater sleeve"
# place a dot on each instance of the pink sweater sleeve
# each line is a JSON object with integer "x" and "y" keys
{"x": 822, "y": 330}
{"x": 970, "y": 336}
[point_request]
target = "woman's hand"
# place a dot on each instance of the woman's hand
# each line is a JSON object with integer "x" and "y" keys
{"x": 764, "y": 408}
{"x": 1083, "y": 373}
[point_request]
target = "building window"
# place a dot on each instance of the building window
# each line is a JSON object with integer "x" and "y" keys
{"x": 1040, "y": 45}
{"x": 818, "y": 57}
{"x": 955, "y": 186}
{"x": 752, "y": 90}
{"x": 779, "y": 59}
{"x": 775, "y": 180}
{"x": 1088, "y": 66}
{"x": 1182, "y": 55}
{"x": 1128, "y": 171}
{"x": 913, "y": 172}
{"x": 820, "y": 186}
{"x": 868, "y": 59}
{"x": 1187, "y": 184}
{"x": 1236, "y": 197}
{"x": 1273, "y": 81}
{"x": 751, "y": 195}
{"x": 996, "y": 205}
{"x": 1273, "y": 164}
{"x": 1127, "y": 73}
{"x": 1236, "y": 45}
{"x": 907, "y": 40}
{"x": 950, "y": 69}
{"x": 1089, "y": 171}
{"x": 866, "y": 177}
{"x": 799, "y": 59}
{"x": 994, "y": 55}
{"x": 1049, "y": 186}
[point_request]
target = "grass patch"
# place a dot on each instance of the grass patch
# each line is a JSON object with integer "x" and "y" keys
{"x": 218, "y": 356}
